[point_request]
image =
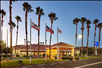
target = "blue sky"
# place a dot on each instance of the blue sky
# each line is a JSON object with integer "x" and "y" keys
{"x": 66, "y": 11}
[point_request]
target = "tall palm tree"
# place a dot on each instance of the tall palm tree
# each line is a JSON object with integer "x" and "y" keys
{"x": 75, "y": 21}
{"x": 52, "y": 17}
{"x": 18, "y": 18}
{"x": 82, "y": 20}
{"x": 3, "y": 13}
{"x": 95, "y": 22}
{"x": 27, "y": 8}
{"x": 88, "y": 26}
{"x": 39, "y": 12}
{"x": 12, "y": 24}
{"x": 99, "y": 26}
{"x": 11, "y": 27}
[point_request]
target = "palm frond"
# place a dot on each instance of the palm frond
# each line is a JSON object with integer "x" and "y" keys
{"x": 95, "y": 21}
{"x": 83, "y": 19}
{"x": 3, "y": 12}
{"x": 18, "y": 18}
{"x": 76, "y": 20}
{"x": 12, "y": 24}
{"x": 88, "y": 22}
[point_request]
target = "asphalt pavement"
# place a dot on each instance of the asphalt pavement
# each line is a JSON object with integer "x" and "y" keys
{"x": 89, "y": 63}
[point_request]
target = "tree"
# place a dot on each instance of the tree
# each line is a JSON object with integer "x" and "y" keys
{"x": 3, "y": 44}
{"x": 75, "y": 21}
{"x": 39, "y": 12}
{"x": 3, "y": 13}
{"x": 27, "y": 8}
{"x": 99, "y": 26}
{"x": 5, "y": 50}
{"x": 95, "y": 22}
{"x": 88, "y": 26}
{"x": 82, "y": 20}
{"x": 52, "y": 17}
{"x": 18, "y": 18}
{"x": 11, "y": 27}
{"x": 90, "y": 50}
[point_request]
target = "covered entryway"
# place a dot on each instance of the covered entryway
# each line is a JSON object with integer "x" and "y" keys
{"x": 63, "y": 50}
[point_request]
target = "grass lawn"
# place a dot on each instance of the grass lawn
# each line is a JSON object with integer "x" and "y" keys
{"x": 26, "y": 62}
{"x": 12, "y": 63}
{"x": 91, "y": 57}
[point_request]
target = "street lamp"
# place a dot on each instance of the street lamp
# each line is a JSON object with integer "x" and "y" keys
{"x": 79, "y": 37}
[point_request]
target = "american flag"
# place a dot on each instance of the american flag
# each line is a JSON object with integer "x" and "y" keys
{"x": 33, "y": 25}
{"x": 49, "y": 30}
{"x": 59, "y": 31}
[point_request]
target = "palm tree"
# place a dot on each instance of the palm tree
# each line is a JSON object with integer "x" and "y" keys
{"x": 75, "y": 21}
{"x": 95, "y": 22}
{"x": 18, "y": 18}
{"x": 99, "y": 26}
{"x": 52, "y": 17}
{"x": 3, "y": 13}
{"x": 82, "y": 20}
{"x": 12, "y": 24}
{"x": 88, "y": 26}
{"x": 27, "y": 8}
{"x": 11, "y": 27}
{"x": 39, "y": 12}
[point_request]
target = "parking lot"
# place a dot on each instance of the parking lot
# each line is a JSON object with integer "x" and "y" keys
{"x": 89, "y": 63}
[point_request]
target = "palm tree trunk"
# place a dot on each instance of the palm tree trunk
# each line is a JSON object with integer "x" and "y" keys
{"x": 76, "y": 37}
{"x": 82, "y": 40}
{"x": 10, "y": 30}
{"x": 50, "y": 41}
{"x": 94, "y": 40}
{"x": 2, "y": 36}
{"x": 26, "y": 33}
{"x": 38, "y": 33}
{"x": 99, "y": 40}
{"x": 87, "y": 38}
{"x": 16, "y": 37}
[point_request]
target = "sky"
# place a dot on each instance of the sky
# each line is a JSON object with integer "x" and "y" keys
{"x": 66, "y": 11}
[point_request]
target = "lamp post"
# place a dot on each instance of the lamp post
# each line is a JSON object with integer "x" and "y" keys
{"x": 79, "y": 37}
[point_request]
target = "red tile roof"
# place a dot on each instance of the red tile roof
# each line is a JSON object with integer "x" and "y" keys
{"x": 62, "y": 44}
{"x": 35, "y": 47}
{"x": 41, "y": 47}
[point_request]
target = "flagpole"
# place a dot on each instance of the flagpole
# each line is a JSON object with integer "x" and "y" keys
{"x": 45, "y": 41}
{"x": 30, "y": 40}
{"x": 57, "y": 42}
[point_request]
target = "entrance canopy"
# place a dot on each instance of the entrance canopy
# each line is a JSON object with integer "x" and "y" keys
{"x": 62, "y": 47}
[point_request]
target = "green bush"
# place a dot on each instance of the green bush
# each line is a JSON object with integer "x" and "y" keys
{"x": 6, "y": 55}
{"x": 29, "y": 55}
{"x": 20, "y": 61}
{"x": 24, "y": 56}
{"x": 77, "y": 58}
{"x": 70, "y": 58}
{"x": 17, "y": 55}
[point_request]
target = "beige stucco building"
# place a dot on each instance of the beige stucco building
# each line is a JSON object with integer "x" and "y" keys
{"x": 63, "y": 50}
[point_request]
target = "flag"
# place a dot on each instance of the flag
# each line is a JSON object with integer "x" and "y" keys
{"x": 49, "y": 30}
{"x": 59, "y": 31}
{"x": 33, "y": 25}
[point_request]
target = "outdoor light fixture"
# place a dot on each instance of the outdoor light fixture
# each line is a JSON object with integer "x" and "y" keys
{"x": 80, "y": 36}
{"x": 4, "y": 29}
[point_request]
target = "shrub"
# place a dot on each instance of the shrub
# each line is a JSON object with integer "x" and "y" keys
{"x": 17, "y": 55}
{"x": 77, "y": 58}
{"x": 20, "y": 61}
{"x": 70, "y": 58}
{"x": 29, "y": 55}
{"x": 24, "y": 56}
